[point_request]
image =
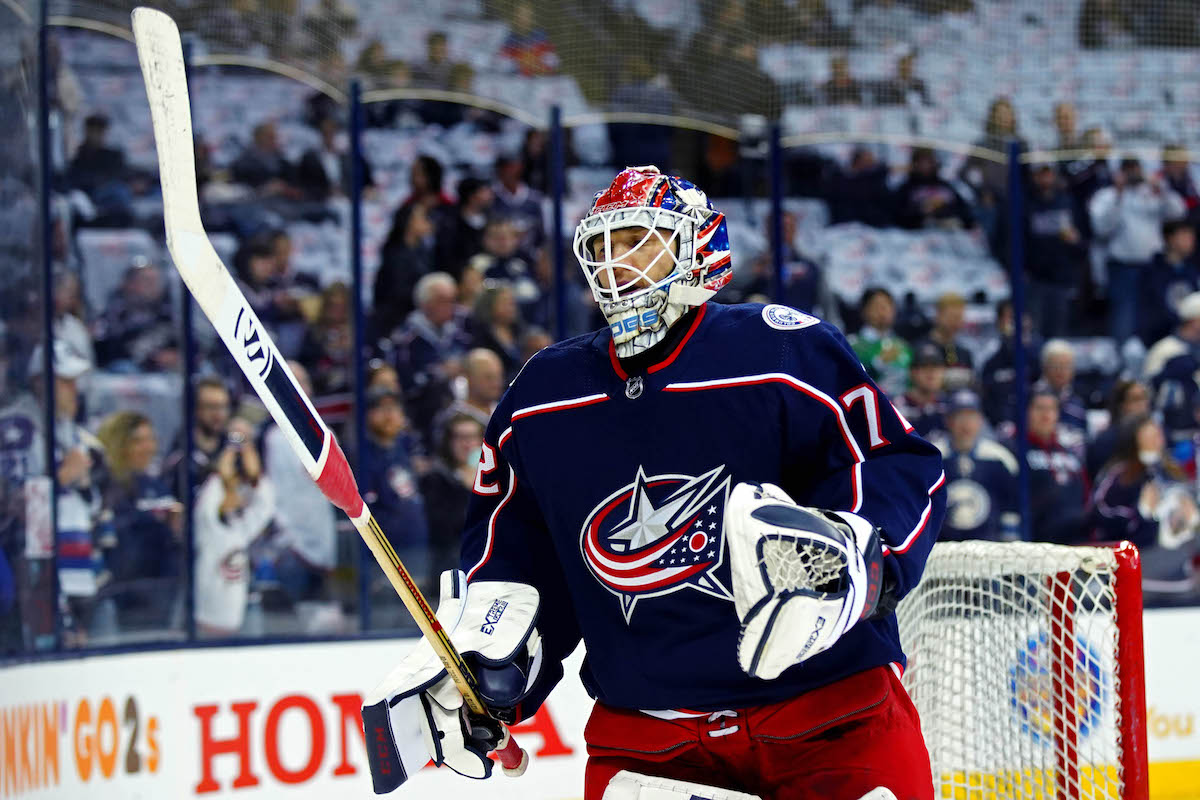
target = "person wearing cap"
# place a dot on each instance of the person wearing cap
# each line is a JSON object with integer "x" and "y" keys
{"x": 949, "y": 317}
{"x": 80, "y": 511}
{"x": 1170, "y": 367}
{"x": 1128, "y": 218}
{"x": 981, "y": 477}
{"x": 885, "y": 355}
{"x": 1173, "y": 275}
{"x": 1058, "y": 483}
{"x": 388, "y": 481}
{"x": 924, "y": 404}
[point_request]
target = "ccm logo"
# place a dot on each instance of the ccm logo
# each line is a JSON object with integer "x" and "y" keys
{"x": 493, "y": 616}
{"x": 646, "y": 319}
{"x": 254, "y": 346}
{"x": 812, "y": 638}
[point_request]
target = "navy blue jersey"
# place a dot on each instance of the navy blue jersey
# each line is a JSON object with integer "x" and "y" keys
{"x": 389, "y": 484}
{"x": 926, "y": 418}
{"x": 607, "y": 492}
{"x": 1058, "y": 491}
{"x": 981, "y": 493}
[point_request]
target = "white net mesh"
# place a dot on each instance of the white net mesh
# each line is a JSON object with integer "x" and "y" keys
{"x": 795, "y": 565}
{"x": 1013, "y": 666}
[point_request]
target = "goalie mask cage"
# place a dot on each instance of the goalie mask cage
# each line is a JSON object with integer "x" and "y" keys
{"x": 1025, "y": 663}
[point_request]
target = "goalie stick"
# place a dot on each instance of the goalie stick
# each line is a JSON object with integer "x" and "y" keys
{"x": 160, "y": 54}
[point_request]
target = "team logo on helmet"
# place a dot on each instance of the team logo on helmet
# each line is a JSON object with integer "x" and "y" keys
{"x": 658, "y": 535}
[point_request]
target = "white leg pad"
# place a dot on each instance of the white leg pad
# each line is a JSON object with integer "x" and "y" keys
{"x": 878, "y": 793}
{"x": 626, "y": 785}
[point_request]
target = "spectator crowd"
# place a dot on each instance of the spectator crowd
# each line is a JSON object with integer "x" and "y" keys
{"x": 462, "y": 295}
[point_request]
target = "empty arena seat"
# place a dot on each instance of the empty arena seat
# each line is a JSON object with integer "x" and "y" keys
{"x": 106, "y": 254}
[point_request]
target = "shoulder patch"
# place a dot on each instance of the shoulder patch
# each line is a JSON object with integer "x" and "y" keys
{"x": 784, "y": 318}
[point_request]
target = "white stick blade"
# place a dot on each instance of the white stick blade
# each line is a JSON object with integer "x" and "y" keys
{"x": 160, "y": 53}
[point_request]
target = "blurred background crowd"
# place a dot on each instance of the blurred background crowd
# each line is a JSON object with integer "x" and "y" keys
{"x": 161, "y": 529}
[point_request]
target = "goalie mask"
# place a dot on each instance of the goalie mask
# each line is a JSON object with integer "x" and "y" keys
{"x": 651, "y": 247}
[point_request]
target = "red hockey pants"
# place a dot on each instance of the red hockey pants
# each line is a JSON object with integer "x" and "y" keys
{"x": 834, "y": 743}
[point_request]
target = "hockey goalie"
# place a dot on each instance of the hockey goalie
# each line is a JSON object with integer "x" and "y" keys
{"x": 722, "y": 505}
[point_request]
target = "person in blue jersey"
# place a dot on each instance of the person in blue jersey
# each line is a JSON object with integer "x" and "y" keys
{"x": 1145, "y": 496}
{"x": 388, "y": 480}
{"x": 147, "y": 522}
{"x": 981, "y": 477}
{"x": 1058, "y": 378}
{"x": 721, "y": 504}
{"x": 1058, "y": 483}
{"x": 924, "y": 404}
{"x": 1173, "y": 275}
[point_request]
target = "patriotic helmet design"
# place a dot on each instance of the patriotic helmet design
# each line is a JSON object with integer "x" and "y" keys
{"x": 674, "y": 221}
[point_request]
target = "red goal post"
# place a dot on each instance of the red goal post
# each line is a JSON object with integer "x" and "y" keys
{"x": 1025, "y": 662}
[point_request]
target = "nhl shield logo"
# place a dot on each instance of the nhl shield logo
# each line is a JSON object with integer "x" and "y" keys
{"x": 658, "y": 535}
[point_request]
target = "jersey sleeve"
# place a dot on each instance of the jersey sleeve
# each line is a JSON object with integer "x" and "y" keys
{"x": 859, "y": 454}
{"x": 506, "y": 539}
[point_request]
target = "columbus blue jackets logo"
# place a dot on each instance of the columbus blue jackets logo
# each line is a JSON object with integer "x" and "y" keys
{"x": 658, "y": 535}
{"x": 968, "y": 505}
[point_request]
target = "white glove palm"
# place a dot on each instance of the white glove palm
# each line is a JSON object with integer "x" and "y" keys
{"x": 802, "y": 576}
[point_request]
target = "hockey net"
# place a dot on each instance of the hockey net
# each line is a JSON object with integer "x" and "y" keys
{"x": 1025, "y": 663}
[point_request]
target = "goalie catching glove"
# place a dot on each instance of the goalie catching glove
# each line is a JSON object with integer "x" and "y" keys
{"x": 802, "y": 577}
{"x": 417, "y": 713}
